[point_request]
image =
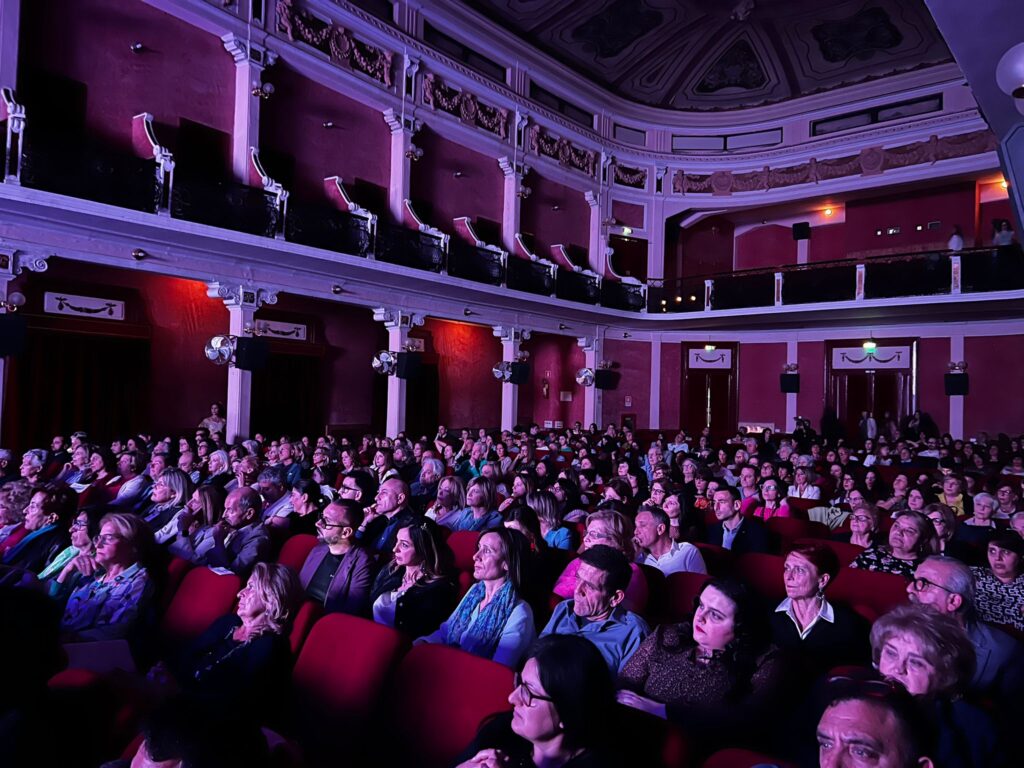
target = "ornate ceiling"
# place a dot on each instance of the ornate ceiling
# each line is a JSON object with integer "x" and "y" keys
{"x": 724, "y": 54}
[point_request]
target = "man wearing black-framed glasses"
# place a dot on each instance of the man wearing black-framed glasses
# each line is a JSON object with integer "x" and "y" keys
{"x": 947, "y": 586}
{"x": 338, "y": 573}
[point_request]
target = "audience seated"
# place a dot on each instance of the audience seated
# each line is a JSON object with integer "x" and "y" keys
{"x": 492, "y": 620}
{"x": 338, "y": 572}
{"x": 595, "y": 610}
{"x": 696, "y": 674}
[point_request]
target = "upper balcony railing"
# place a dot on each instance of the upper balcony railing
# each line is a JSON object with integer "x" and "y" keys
{"x": 930, "y": 273}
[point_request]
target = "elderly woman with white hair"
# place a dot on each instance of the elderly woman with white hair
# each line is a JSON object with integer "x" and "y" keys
{"x": 171, "y": 491}
{"x": 218, "y": 469}
{"x": 977, "y": 529}
{"x": 32, "y": 463}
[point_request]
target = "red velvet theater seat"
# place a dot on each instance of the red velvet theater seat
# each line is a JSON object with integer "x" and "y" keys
{"x": 203, "y": 597}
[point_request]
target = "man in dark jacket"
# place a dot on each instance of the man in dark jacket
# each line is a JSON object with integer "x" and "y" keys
{"x": 733, "y": 531}
{"x": 338, "y": 573}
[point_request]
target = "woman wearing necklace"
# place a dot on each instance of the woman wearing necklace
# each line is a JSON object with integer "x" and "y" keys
{"x": 493, "y": 621}
{"x": 450, "y": 501}
{"x": 414, "y": 592}
{"x": 711, "y": 673}
{"x": 244, "y": 657}
{"x": 822, "y": 634}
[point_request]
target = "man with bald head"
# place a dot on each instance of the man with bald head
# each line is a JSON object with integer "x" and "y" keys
{"x": 391, "y": 510}
{"x": 240, "y": 540}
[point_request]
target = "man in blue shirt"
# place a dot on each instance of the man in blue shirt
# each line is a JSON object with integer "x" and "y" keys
{"x": 594, "y": 612}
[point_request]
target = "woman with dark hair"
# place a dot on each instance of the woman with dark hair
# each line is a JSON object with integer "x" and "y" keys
{"x": 806, "y": 622}
{"x": 772, "y": 503}
{"x": 308, "y": 502}
{"x": 415, "y": 592}
{"x": 562, "y": 709}
{"x": 619, "y": 489}
{"x": 61, "y": 575}
{"x": 711, "y": 673}
{"x": 567, "y": 491}
{"x": 492, "y": 620}
{"x": 999, "y": 588}
{"x": 686, "y": 518}
{"x": 523, "y": 484}
{"x": 102, "y": 477}
{"x": 911, "y": 539}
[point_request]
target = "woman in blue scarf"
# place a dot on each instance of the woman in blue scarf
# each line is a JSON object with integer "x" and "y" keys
{"x": 492, "y": 620}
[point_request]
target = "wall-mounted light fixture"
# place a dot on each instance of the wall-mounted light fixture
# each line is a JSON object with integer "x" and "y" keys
{"x": 138, "y": 254}
{"x": 329, "y": 124}
{"x": 458, "y": 175}
{"x": 136, "y": 47}
{"x": 524, "y": 192}
{"x": 468, "y": 312}
{"x": 14, "y": 300}
{"x": 869, "y": 346}
{"x": 957, "y": 366}
{"x": 791, "y": 367}
{"x": 413, "y": 153}
{"x": 563, "y": 327}
{"x": 828, "y": 211}
{"x": 264, "y": 91}
{"x": 336, "y": 289}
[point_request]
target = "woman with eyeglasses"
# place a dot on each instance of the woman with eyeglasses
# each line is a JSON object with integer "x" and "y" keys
{"x": 711, "y": 673}
{"x": 62, "y": 574}
{"x": 415, "y": 591}
{"x": 563, "y": 704}
{"x": 821, "y": 633}
{"x": 113, "y": 596}
{"x": 943, "y": 518}
{"x": 864, "y": 522}
{"x": 930, "y": 655}
{"x": 492, "y": 620}
{"x": 911, "y": 539}
{"x": 771, "y": 504}
{"x": 613, "y": 529}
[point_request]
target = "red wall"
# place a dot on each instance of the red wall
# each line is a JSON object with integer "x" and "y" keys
{"x": 995, "y": 209}
{"x": 469, "y": 395}
{"x": 633, "y": 363}
{"x": 291, "y": 123}
{"x": 569, "y": 225}
{"x": 671, "y": 385}
{"x": 810, "y": 402}
{"x": 630, "y": 214}
{"x": 760, "y": 397}
{"x": 951, "y": 205}
{"x": 703, "y": 249}
{"x": 827, "y": 243}
{"x": 997, "y": 378}
{"x": 555, "y": 358}
{"x": 183, "y": 72}
{"x": 769, "y": 246}
{"x": 630, "y": 257}
{"x": 932, "y": 359}
{"x": 477, "y": 193}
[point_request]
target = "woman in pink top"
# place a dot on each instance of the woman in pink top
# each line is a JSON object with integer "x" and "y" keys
{"x": 771, "y": 505}
{"x": 606, "y": 526}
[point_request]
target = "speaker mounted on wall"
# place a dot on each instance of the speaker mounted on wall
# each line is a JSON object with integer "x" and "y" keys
{"x": 519, "y": 373}
{"x": 802, "y": 230}
{"x": 957, "y": 384}
{"x": 606, "y": 379}
{"x": 251, "y": 354}
{"x": 409, "y": 364}
{"x": 789, "y": 383}
{"x": 12, "y": 334}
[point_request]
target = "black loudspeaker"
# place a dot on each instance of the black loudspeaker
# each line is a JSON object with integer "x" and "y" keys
{"x": 605, "y": 379}
{"x": 957, "y": 384}
{"x": 12, "y": 334}
{"x": 802, "y": 230}
{"x": 520, "y": 373}
{"x": 789, "y": 383}
{"x": 251, "y": 354}
{"x": 409, "y": 364}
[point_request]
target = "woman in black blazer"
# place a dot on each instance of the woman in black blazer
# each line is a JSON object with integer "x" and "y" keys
{"x": 414, "y": 593}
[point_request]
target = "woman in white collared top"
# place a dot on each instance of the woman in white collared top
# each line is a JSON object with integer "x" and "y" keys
{"x": 803, "y": 484}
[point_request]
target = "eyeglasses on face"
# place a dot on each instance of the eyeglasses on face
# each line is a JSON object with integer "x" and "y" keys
{"x": 528, "y": 696}
{"x": 105, "y": 538}
{"x": 325, "y": 523}
{"x": 921, "y": 584}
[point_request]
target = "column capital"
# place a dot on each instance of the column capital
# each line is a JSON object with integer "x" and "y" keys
{"x": 395, "y": 121}
{"x": 248, "y": 52}
{"x": 520, "y": 168}
{"x": 14, "y": 261}
{"x": 235, "y": 295}
{"x": 592, "y": 198}
{"x": 510, "y": 333}
{"x": 397, "y": 318}
{"x": 589, "y": 343}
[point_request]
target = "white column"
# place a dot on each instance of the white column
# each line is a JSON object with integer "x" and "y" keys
{"x": 511, "y": 202}
{"x": 792, "y": 358}
{"x": 250, "y": 61}
{"x": 803, "y": 247}
{"x": 597, "y": 245}
{"x": 12, "y": 264}
{"x": 956, "y": 402}
{"x": 402, "y": 152}
{"x": 398, "y": 323}
{"x": 242, "y": 301}
{"x": 511, "y": 341}
{"x": 10, "y": 27}
{"x": 654, "y": 223}
{"x": 655, "y": 407}
{"x": 592, "y": 348}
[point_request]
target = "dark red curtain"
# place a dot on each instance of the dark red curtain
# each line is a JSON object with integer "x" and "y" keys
{"x": 69, "y": 381}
